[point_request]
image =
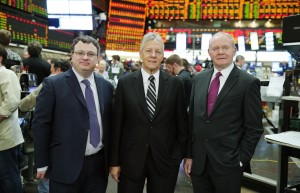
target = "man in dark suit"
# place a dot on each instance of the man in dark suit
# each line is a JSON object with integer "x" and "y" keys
{"x": 71, "y": 124}
{"x": 35, "y": 64}
{"x": 225, "y": 121}
{"x": 150, "y": 132}
{"x": 174, "y": 65}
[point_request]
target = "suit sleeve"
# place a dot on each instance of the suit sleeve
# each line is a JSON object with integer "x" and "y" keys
{"x": 253, "y": 128}
{"x": 191, "y": 116}
{"x": 42, "y": 123}
{"x": 115, "y": 134}
{"x": 182, "y": 121}
{"x": 29, "y": 102}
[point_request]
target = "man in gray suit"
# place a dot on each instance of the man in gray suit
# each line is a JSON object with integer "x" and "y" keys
{"x": 225, "y": 121}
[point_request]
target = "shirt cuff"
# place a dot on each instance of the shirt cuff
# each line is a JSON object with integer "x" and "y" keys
{"x": 43, "y": 169}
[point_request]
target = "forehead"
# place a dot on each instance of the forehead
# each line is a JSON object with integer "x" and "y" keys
{"x": 155, "y": 44}
{"x": 220, "y": 41}
{"x": 85, "y": 46}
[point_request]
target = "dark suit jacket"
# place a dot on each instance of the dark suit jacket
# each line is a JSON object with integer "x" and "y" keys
{"x": 230, "y": 134}
{"x": 37, "y": 66}
{"x": 187, "y": 81}
{"x": 134, "y": 133}
{"x": 61, "y": 123}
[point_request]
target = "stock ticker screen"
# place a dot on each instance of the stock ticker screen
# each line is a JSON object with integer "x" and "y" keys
{"x": 26, "y": 25}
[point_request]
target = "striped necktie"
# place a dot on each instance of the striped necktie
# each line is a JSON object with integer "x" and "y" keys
{"x": 151, "y": 97}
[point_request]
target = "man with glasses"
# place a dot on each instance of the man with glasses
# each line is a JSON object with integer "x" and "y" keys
{"x": 225, "y": 121}
{"x": 71, "y": 124}
{"x": 150, "y": 132}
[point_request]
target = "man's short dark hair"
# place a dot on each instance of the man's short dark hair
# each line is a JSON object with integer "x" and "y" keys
{"x": 34, "y": 48}
{"x": 85, "y": 39}
{"x": 174, "y": 58}
{"x": 5, "y": 36}
{"x": 3, "y": 53}
{"x": 64, "y": 65}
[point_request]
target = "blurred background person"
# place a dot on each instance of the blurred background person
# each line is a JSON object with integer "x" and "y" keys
{"x": 12, "y": 57}
{"x": 174, "y": 65}
{"x": 35, "y": 64}
{"x": 10, "y": 131}
{"x": 28, "y": 103}
{"x": 240, "y": 61}
{"x": 102, "y": 69}
{"x": 116, "y": 68}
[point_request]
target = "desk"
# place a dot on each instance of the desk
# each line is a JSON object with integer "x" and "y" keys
{"x": 287, "y": 148}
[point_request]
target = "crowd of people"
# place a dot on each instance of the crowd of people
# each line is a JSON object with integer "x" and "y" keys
{"x": 136, "y": 121}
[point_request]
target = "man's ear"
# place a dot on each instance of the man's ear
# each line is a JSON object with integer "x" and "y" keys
{"x": 1, "y": 58}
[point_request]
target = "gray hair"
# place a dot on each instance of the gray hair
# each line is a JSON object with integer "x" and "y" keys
{"x": 220, "y": 34}
{"x": 239, "y": 57}
{"x": 152, "y": 36}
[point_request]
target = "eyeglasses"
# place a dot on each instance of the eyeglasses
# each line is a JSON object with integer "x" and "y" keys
{"x": 82, "y": 53}
{"x": 156, "y": 52}
{"x": 223, "y": 48}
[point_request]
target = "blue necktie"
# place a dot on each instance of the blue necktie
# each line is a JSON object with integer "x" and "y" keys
{"x": 94, "y": 123}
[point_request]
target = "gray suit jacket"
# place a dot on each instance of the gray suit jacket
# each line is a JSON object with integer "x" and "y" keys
{"x": 230, "y": 134}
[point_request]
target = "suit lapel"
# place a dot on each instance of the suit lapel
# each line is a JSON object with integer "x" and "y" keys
{"x": 203, "y": 92}
{"x": 72, "y": 80}
{"x": 229, "y": 84}
{"x": 99, "y": 86}
{"x": 138, "y": 85}
{"x": 162, "y": 88}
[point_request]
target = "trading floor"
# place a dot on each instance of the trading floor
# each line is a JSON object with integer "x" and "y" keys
{"x": 183, "y": 186}
{"x": 264, "y": 164}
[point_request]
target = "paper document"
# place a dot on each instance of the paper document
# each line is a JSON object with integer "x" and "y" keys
{"x": 288, "y": 138}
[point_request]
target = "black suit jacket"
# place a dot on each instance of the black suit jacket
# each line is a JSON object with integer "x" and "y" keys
{"x": 230, "y": 134}
{"x": 61, "y": 124}
{"x": 37, "y": 66}
{"x": 187, "y": 81}
{"x": 134, "y": 133}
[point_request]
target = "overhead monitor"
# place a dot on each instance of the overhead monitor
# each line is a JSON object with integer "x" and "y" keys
{"x": 269, "y": 38}
{"x": 69, "y": 7}
{"x": 181, "y": 41}
{"x": 241, "y": 44}
{"x": 72, "y": 22}
{"x": 254, "y": 41}
{"x": 205, "y": 41}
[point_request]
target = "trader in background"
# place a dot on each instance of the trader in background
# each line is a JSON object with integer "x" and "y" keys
{"x": 35, "y": 64}
{"x": 12, "y": 57}
{"x": 10, "y": 132}
{"x": 240, "y": 61}
{"x": 175, "y": 66}
{"x": 150, "y": 130}
{"x": 225, "y": 121}
{"x": 71, "y": 124}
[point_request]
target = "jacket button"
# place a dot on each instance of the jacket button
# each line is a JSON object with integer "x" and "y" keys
{"x": 207, "y": 121}
{"x": 146, "y": 145}
{"x": 206, "y": 140}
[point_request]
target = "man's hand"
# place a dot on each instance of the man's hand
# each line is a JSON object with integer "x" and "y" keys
{"x": 115, "y": 172}
{"x": 2, "y": 118}
{"x": 41, "y": 175}
{"x": 187, "y": 166}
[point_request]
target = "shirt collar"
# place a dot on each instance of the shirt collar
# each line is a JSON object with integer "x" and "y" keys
{"x": 146, "y": 75}
{"x": 225, "y": 72}
{"x": 80, "y": 78}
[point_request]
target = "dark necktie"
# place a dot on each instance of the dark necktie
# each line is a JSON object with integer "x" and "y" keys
{"x": 94, "y": 123}
{"x": 151, "y": 97}
{"x": 213, "y": 93}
